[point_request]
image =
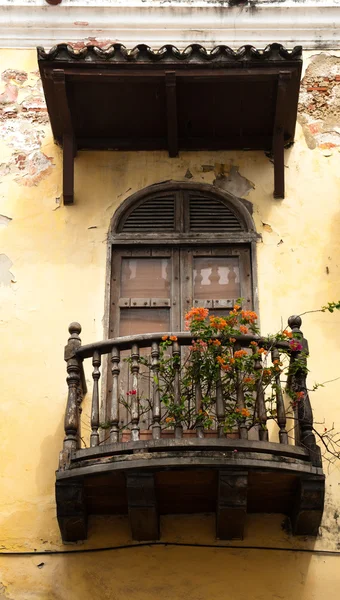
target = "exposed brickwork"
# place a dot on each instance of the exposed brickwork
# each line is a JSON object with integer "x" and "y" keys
{"x": 319, "y": 106}
{"x": 23, "y": 117}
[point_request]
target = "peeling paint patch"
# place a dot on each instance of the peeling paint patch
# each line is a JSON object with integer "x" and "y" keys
{"x": 319, "y": 103}
{"x": 29, "y": 168}
{"x": 6, "y": 277}
{"x": 4, "y": 221}
{"x": 229, "y": 179}
{"x": 267, "y": 227}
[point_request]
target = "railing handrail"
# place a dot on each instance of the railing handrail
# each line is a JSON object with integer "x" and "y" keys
{"x": 183, "y": 338}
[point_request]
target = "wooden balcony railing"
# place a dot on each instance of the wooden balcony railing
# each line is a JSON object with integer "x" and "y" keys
{"x": 140, "y": 448}
{"x": 75, "y": 353}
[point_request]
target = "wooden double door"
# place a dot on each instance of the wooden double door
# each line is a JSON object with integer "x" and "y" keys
{"x": 153, "y": 288}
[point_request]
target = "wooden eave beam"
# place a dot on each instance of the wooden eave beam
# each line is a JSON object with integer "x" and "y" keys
{"x": 69, "y": 143}
{"x": 278, "y": 135}
{"x": 171, "y": 113}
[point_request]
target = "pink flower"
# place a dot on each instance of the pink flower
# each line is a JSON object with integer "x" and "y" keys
{"x": 295, "y": 345}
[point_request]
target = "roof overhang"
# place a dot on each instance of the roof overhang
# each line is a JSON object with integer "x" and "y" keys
{"x": 193, "y": 99}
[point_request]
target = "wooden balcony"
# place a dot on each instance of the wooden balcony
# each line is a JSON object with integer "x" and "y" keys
{"x": 145, "y": 469}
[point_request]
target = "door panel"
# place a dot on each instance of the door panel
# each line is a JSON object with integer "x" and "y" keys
{"x": 215, "y": 278}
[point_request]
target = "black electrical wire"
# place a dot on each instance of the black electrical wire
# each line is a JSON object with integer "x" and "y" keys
{"x": 170, "y": 544}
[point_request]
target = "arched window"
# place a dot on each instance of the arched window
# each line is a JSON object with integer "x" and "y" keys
{"x": 174, "y": 246}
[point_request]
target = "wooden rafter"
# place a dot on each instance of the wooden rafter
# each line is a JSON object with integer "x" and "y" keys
{"x": 171, "y": 109}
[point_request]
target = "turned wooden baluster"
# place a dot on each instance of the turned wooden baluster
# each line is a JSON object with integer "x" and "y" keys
{"x": 260, "y": 399}
{"x": 72, "y": 421}
{"x": 240, "y": 404}
{"x": 297, "y": 383}
{"x": 220, "y": 413}
{"x": 199, "y": 405}
{"x": 114, "y": 405}
{"x": 240, "y": 401}
{"x": 176, "y": 353}
{"x": 280, "y": 407}
{"x": 134, "y": 394}
{"x": 94, "y": 438}
{"x": 156, "y": 405}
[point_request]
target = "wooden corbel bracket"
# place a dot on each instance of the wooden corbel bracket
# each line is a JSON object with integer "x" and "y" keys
{"x": 69, "y": 142}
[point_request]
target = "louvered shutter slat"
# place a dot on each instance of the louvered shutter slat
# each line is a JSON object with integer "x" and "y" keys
{"x": 211, "y": 214}
{"x": 155, "y": 214}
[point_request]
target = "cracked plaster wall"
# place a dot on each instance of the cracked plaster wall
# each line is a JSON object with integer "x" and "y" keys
{"x": 52, "y": 271}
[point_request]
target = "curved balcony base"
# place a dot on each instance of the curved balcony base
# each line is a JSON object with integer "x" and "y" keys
{"x": 227, "y": 477}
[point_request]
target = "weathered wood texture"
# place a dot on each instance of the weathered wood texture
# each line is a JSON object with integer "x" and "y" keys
{"x": 231, "y": 507}
{"x": 142, "y": 506}
{"x": 71, "y": 510}
{"x": 308, "y": 507}
{"x": 230, "y": 492}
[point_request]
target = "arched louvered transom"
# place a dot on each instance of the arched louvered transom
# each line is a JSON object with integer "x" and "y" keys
{"x": 182, "y": 211}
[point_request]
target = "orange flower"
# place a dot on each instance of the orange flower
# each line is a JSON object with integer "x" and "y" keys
{"x": 287, "y": 334}
{"x": 261, "y": 350}
{"x": 267, "y": 372}
{"x": 173, "y": 338}
{"x": 215, "y": 342}
{"x": 249, "y": 380}
{"x": 217, "y": 322}
{"x": 249, "y": 315}
{"x": 220, "y": 360}
{"x": 243, "y": 329}
{"x": 253, "y": 343}
{"x": 169, "y": 420}
{"x": 240, "y": 353}
{"x": 232, "y": 340}
{"x": 164, "y": 338}
{"x": 237, "y": 307}
{"x": 197, "y": 314}
{"x": 225, "y": 367}
{"x": 245, "y": 412}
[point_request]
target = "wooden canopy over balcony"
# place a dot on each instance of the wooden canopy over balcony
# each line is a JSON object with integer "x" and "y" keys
{"x": 149, "y": 471}
{"x": 193, "y": 99}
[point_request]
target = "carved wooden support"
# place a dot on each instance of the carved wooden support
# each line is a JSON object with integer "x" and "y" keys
{"x": 278, "y": 135}
{"x": 69, "y": 143}
{"x": 142, "y": 506}
{"x": 68, "y": 168}
{"x": 307, "y": 512}
{"x": 231, "y": 507}
{"x": 71, "y": 510}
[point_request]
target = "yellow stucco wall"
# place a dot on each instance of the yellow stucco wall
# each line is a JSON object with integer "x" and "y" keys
{"x": 55, "y": 273}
